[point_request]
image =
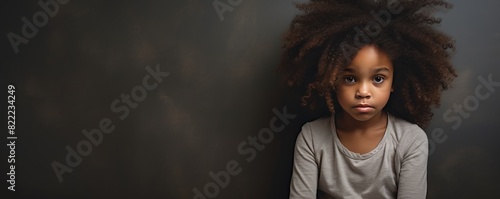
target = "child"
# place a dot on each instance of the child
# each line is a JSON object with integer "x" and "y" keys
{"x": 379, "y": 66}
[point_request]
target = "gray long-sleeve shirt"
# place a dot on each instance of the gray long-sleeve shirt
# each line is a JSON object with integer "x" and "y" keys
{"x": 324, "y": 168}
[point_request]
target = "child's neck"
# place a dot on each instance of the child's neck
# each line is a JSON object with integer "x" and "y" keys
{"x": 360, "y": 136}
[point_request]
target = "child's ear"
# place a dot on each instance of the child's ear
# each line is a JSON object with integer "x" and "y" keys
{"x": 392, "y": 89}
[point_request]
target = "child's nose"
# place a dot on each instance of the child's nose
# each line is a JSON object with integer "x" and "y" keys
{"x": 363, "y": 91}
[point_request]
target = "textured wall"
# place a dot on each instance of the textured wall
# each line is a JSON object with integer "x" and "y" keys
{"x": 186, "y": 99}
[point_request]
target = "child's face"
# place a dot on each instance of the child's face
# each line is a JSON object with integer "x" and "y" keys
{"x": 365, "y": 85}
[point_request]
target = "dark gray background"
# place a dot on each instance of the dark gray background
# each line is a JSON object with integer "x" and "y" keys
{"x": 221, "y": 89}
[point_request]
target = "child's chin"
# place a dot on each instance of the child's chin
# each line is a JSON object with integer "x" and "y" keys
{"x": 362, "y": 117}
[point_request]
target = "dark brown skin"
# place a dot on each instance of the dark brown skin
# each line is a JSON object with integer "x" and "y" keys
{"x": 315, "y": 56}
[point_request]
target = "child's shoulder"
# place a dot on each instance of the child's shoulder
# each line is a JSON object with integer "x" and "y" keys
{"x": 318, "y": 129}
{"x": 320, "y": 125}
{"x": 405, "y": 131}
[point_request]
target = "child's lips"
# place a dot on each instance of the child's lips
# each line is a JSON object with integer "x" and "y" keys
{"x": 364, "y": 108}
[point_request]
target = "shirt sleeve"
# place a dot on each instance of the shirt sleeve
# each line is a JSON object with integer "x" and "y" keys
{"x": 305, "y": 169}
{"x": 413, "y": 174}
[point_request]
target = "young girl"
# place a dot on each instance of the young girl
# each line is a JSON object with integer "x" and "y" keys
{"x": 379, "y": 67}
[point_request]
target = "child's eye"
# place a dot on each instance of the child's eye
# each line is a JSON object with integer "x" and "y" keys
{"x": 349, "y": 79}
{"x": 378, "y": 79}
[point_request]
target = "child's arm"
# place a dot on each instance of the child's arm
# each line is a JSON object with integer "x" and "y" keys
{"x": 305, "y": 170}
{"x": 413, "y": 173}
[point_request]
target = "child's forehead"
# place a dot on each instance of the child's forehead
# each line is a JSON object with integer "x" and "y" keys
{"x": 369, "y": 58}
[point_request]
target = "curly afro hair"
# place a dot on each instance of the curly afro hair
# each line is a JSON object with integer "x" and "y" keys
{"x": 327, "y": 34}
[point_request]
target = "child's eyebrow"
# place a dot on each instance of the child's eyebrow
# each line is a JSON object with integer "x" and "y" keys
{"x": 376, "y": 70}
{"x": 349, "y": 70}
{"x": 379, "y": 70}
